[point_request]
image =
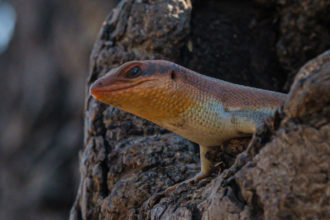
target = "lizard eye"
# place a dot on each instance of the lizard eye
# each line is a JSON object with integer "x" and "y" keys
{"x": 134, "y": 72}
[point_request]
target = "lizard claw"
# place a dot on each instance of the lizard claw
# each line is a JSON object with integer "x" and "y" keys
{"x": 157, "y": 196}
{"x": 154, "y": 199}
{"x": 198, "y": 177}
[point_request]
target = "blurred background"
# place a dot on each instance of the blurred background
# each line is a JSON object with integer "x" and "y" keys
{"x": 44, "y": 56}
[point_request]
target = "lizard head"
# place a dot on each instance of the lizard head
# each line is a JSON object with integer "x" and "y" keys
{"x": 150, "y": 89}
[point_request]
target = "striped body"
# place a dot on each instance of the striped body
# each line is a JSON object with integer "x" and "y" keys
{"x": 202, "y": 109}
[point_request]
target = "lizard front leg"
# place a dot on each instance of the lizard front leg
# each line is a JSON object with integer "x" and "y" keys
{"x": 206, "y": 169}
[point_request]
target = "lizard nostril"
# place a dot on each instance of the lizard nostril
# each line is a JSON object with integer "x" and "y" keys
{"x": 94, "y": 88}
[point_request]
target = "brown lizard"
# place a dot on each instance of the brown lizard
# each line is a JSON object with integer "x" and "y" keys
{"x": 202, "y": 109}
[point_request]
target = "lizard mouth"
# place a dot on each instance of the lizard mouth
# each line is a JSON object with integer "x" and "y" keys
{"x": 98, "y": 88}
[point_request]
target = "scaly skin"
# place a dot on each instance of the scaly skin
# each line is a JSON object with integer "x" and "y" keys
{"x": 202, "y": 109}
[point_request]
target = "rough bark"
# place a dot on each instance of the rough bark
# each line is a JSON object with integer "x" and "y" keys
{"x": 127, "y": 160}
{"x": 284, "y": 172}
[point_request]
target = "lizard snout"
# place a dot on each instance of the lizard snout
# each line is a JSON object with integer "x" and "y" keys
{"x": 96, "y": 88}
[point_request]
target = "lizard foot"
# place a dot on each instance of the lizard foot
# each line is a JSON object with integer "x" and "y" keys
{"x": 198, "y": 177}
{"x": 206, "y": 168}
{"x": 156, "y": 197}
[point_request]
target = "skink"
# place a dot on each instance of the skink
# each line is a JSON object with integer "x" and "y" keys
{"x": 202, "y": 109}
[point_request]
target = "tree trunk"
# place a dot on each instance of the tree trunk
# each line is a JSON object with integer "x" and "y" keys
{"x": 283, "y": 173}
